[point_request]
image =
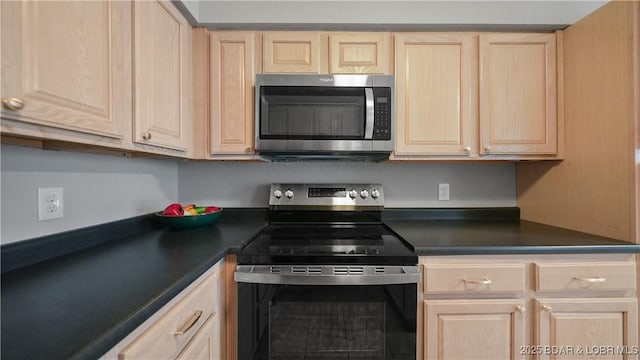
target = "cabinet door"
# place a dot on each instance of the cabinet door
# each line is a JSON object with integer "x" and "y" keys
{"x": 585, "y": 325}
{"x": 518, "y": 94}
{"x": 64, "y": 65}
{"x": 436, "y": 96}
{"x": 292, "y": 52}
{"x": 367, "y": 53}
{"x": 474, "y": 329}
{"x": 203, "y": 346}
{"x": 232, "y": 84}
{"x": 162, "y": 76}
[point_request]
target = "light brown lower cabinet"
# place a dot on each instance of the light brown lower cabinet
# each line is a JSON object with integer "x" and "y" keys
{"x": 605, "y": 328}
{"x": 528, "y": 307}
{"x": 474, "y": 329}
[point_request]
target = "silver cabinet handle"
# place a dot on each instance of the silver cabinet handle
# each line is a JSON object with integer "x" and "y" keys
{"x": 467, "y": 150}
{"x": 12, "y": 103}
{"x": 592, "y": 280}
{"x": 146, "y": 136}
{"x": 546, "y": 308}
{"x": 521, "y": 309}
{"x": 189, "y": 323}
{"x": 487, "y": 149}
{"x": 484, "y": 281}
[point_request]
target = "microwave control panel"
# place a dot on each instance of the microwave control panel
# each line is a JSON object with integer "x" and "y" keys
{"x": 382, "y": 117}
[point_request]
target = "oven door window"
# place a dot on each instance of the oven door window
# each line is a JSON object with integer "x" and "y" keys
{"x": 312, "y": 113}
{"x": 327, "y": 322}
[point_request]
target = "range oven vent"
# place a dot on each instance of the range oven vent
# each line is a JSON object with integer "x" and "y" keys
{"x": 299, "y": 269}
{"x": 348, "y": 270}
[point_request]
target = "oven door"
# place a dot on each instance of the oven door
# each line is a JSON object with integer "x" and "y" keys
{"x": 356, "y": 315}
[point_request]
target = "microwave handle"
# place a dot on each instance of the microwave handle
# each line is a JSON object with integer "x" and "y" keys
{"x": 370, "y": 113}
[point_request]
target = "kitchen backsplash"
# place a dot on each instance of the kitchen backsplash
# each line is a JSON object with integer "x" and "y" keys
{"x": 102, "y": 188}
{"x": 411, "y": 184}
{"x": 97, "y": 189}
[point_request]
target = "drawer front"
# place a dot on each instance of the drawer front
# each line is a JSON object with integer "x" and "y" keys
{"x": 585, "y": 276}
{"x": 474, "y": 278}
{"x": 169, "y": 335}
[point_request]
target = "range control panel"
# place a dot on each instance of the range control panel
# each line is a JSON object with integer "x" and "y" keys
{"x": 327, "y": 195}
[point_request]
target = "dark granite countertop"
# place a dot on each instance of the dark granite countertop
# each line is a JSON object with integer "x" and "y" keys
{"x": 87, "y": 290}
{"x": 476, "y": 237}
{"x": 81, "y": 304}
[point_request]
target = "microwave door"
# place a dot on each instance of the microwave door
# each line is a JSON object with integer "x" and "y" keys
{"x": 315, "y": 113}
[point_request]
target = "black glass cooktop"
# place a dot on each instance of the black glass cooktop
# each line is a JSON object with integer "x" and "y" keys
{"x": 327, "y": 244}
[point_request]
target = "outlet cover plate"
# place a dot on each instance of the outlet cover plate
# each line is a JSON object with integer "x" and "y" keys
{"x": 443, "y": 192}
{"x": 50, "y": 203}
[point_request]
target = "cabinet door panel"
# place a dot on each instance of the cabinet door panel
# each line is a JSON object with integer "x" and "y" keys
{"x": 474, "y": 329}
{"x": 367, "y": 53}
{"x": 436, "y": 94}
{"x": 64, "y": 61}
{"x": 291, "y": 52}
{"x": 518, "y": 94}
{"x": 232, "y": 81}
{"x": 162, "y": 75}
{"x": 587, "y": 324}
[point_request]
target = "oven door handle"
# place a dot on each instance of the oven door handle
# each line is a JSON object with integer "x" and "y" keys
{"x": 370, "y": 113}
{"x": 327, "y": 275}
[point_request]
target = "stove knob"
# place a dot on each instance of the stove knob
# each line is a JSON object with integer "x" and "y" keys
{"x": 288, "y": 194}
{"x": 375, "y": 193}
{"x": 353, "y": 194}
{"x": 277, "y": 194}
{"x": 364, "y": 194}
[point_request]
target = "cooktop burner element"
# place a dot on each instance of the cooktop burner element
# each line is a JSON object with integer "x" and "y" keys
{"x": 327, "y": 224}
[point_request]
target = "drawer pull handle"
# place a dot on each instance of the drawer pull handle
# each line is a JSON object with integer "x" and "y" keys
{"x": 189, "y": 323}
{"x": 546, "y": 308}
{"x": 592, "y": 280}
{"x": 484, "y": 281}
{"x": 521, "y": 309}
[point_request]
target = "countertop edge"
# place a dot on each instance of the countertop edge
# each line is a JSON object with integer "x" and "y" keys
{"x": 533, "y": 250}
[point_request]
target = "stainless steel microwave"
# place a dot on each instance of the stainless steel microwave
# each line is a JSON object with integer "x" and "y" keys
{"x": 324, "y": 117}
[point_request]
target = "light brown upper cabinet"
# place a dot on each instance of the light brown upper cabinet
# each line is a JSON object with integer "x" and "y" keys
{"x": 442, "y": 79}
{"x": 366, "y": 53}
{"x": 322, "y": 53}
{"x": 162, "y": 76}
{"x": 232, "y": 76}
{"x": 64, "y": 70}
{"x": 292, "y": 52}
{"x": 436, "y": 94}
{"x": 518, "y": 104}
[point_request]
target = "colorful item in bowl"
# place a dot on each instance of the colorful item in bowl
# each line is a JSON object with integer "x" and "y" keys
{"x": 189, "y": 216}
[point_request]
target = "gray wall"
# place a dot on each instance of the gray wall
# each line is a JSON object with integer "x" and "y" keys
{"x": 101, "y": 188}
{"x": 400, "y": 12}
{"x": 241, "y": 184}
{"x": 97, "y": 189}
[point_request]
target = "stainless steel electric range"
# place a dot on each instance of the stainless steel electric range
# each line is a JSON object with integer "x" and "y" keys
{"x": 327, "y": 279}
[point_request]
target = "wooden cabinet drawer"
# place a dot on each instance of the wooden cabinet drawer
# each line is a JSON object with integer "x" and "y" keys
{"x": 474, "y": 278}
{"x": 169, "y": 335}
{"x": 585, "y": 276}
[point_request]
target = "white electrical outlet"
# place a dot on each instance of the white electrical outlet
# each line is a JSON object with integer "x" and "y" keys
{"x": 50, "y": 203}
{"x": 443, "y": 192}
